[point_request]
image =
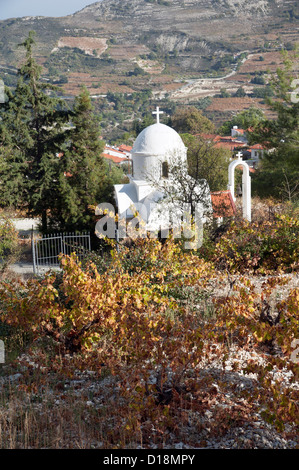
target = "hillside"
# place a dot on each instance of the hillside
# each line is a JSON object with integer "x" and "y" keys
{"x": 124, "y": 46}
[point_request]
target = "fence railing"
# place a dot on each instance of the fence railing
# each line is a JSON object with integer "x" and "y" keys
{"x": 46, "y": 250}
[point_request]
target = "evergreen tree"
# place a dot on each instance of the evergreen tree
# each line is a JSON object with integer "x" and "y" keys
{"x": 34, "y": 120}
{"x": 83, "y": 175}
{"x": 278, "y": 174}
{"x": 13, "y": 165}
{"x": 50, "y": 157}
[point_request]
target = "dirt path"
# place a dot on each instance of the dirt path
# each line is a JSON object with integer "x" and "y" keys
{"x": 208, "y": 86}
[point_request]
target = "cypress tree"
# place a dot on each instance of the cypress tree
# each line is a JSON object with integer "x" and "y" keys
{"x": 51, "y": 156}
{"x": 13, "y": 165}
{"x": 83, "y": 177}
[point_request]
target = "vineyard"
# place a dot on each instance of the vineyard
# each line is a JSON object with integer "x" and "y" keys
{"x": 152, "y": 346}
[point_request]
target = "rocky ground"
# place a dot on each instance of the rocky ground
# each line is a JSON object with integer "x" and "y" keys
{"x": 229, "y": 422}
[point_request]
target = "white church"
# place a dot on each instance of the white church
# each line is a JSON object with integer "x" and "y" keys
{"x": 159, "y": 178}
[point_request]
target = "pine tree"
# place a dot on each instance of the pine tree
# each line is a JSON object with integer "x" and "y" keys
{"x": 278, "y": 173}
{"x": 34, "y": 119}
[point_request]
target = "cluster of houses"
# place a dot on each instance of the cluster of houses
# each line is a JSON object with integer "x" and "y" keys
{"x": 235, "y": 142}
{"x": 118, "y": 155}
{"x": 238, "y": 141}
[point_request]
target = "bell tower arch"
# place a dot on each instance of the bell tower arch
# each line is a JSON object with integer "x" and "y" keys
{"x": 246, "y": 185}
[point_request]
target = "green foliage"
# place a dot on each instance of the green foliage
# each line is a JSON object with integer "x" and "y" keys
{"x": 139, "y": 125}
{"x": 262, "y": 92}
{"x": 190, "y": 120}
{"x": 279, "y": 182}
{"x": 240, "y": 93}
{"x": 258, "y": 247}
{"x": 31, "y": 133}
{"x": 206, "y": 161}
{"x": 203, "y": 103}
{"x": 224, "y": 62}
{"x": 12, "y": 176}
{"x": 76, "y": 60}
{"x": 137, "y": 71}
{"x": 83, "y": 174}
{"x": 244, "y": 120}
{"x": 224, "y": 93}
{"x": 51, "y": 156}
{"x": 258, "y": 79}
{"x": 9, "y": 248}
{"x": 117, "y": 110}
{"x": 280, "y": 135}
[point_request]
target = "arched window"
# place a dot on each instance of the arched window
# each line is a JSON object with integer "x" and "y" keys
{"x": 165, "y": 169}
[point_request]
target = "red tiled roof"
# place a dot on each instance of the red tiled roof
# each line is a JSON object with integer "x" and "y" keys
{"x": 109, "y": 149}
{"x": 223, "y": 204}
{"x": 257, "y": 147}
{"x": 224, "y": 141}
{"x": 230, "y": 145}
{"x": 125, "y": 148}
{"x": 240, "y": 131}
{"x": 114, "y": 158}
{"x": 210, "y": 136}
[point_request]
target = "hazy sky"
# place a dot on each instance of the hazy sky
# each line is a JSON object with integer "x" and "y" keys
{"x": 17, "y": 8}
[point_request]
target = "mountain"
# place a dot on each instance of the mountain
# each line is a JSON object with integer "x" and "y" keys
{"x": 130, "y": 46}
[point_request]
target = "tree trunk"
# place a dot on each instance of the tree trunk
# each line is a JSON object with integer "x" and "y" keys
{"x": 44, "y": 221}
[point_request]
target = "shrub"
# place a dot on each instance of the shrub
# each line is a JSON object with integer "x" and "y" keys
{"x": 136, "y": 320}
{"x": 8, "y": 243}
{"x": 87, "y": 306}
{"x": 259, "y": 247}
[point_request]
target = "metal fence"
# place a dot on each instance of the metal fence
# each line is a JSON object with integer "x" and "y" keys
{"x": 46, "y": 250}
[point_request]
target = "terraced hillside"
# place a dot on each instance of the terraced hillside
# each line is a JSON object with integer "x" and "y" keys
{"x": 174, "y": 48}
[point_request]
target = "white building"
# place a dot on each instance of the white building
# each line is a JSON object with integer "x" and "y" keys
{"x": 154, "y": 190}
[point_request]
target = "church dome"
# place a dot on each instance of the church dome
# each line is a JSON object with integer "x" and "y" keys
{"x": 158, "y": 140}
{"x": 156, "y": 149}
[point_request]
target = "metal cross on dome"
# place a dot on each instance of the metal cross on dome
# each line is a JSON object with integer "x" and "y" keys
{"x": 157, "y": 112}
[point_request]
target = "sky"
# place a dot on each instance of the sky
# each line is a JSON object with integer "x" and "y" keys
{"x": 19, "y": 8}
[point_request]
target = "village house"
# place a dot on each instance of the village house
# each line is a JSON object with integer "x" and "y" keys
{"x": 118, "y": 155}
{"x": 237, "y": 141}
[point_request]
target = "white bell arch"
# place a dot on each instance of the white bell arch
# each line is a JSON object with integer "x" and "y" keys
{"x": 246, "y": 185}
